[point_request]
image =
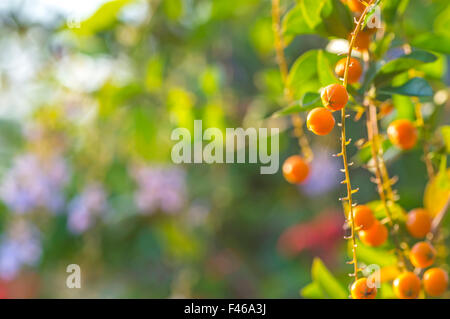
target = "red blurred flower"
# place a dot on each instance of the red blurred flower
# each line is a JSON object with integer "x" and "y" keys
{"x": 319, "y": 236}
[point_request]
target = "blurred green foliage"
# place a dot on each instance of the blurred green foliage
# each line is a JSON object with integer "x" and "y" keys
{"x": 111, "y": 91}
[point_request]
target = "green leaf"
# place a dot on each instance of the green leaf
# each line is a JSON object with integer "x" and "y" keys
{"x": 339, "y": 22}
{"x": 377, "y": 256}
{"x": 311, "y": 10}
{"x": 434, "y": 42}
{"x": 324, "y": 69}
{"x": 294, "y": 23}
{"x": 311, "y": 71}
{"x": 328, "y": 18}
{"x": 392, "y": 9}
{"x": 397, "y": 212}
{"x": 309, "y": 101}
{"x": 326, "y": 281}
{"x": 445, "y": 131}
{"x": 103, "y": 18}
{"x": 404, "y": 107}
{"x": 303, "y": 70}
{"x": 414, "y": 87}
{"x": 402, "y": 64}
{"x": 364, "y": 155}
{"x": 434, "y": 70}
{"x": 312, "y": 291}
{"x": 437, "y": 190}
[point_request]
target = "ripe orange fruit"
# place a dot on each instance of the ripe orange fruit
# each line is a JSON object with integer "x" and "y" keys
{"x": 364, "y": 218}
{"x": 362, "y": 41}
{"x": 407, "y": 286}
{"x": 334, "y": 97}
{"x": 361, "y": 290}
{"x": 320, "y": 121}
{"x": 356, "y": 6}
{"x": 435, "y": 281}
{"x": 354, "y": 69}
{"x": 422, "y": 255}
{"x": 375, "y": 235}
{"x": 295, "y": 169}
{"x": 386, "y": 108}
{"x": 402, "y": 133}
{"x": 418, "y": 223}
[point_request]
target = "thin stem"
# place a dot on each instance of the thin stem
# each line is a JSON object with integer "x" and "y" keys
{"x": 426, "y": 148}
{"x": 372, "y": 133}
{"x": 296, "y": 119}
{"x": 344, "y": 144}
{"x": 438, "y": 219}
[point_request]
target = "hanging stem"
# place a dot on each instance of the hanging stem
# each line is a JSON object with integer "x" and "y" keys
{"x": 426, "y": 148}
{"x": 377, "y": 156}
{"x": 296, "y": 119}
{"x": 344, "y": 143}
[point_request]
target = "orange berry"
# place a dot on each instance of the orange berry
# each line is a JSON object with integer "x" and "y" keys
{"x": 361, "y": 290}
{"x": 375, "y": 235}
{"x": 402, "y": 133}
{"x": 334, "y": 97}
{"x": 356, "y": 6}
{"x": 386, "y": 108}
{"x": 407, "y": 286}
{"x": 364, "y": 218}
{"x": 354, "y": 69}
{"x": 435, "y": 281}
{"x": 362, "y": 41}
{"x": 422, "y": 255}
{"x": 295, "y": 169}
{"x": 320, "y": 121}
{"x": 418, "y": 223}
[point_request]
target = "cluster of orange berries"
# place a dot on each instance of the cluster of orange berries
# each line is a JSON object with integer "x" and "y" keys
{"x": 320, "y": 120}
{"x": 334, "y": 97}
{"x": 422, "y": 255}
{"x": 402, "y": 133}
{"x": 371, "y": 231}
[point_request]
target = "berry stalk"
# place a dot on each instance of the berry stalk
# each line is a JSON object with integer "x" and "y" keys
{"x": 372, "y": 135}
{"x": 296, "y": 119}
{"x": 345, "y": 142}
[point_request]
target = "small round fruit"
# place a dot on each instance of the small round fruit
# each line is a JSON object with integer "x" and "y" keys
{"x": 320, "y": 121}
{"x": 356, "y": 6}
{"x": 386, "y": 108}
{"x": 422, "y": 255}
{"x": 407, "y": 286}
{"x": 402, "y": 133}
{"x": 361, "y": 290}
{"x": 295, "y": 169}
{"x": 375, "y": 235}
{"x": 418, "y": 223}
{"x": 362, "y": 41}
{"x": 364, "y": 218}
{"x": 334, "y": 97}
{"x": 435, "y": 281}
{"x": 354, "y": 69}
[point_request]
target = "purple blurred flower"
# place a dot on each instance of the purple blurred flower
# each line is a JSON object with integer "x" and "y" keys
{"x": 324, "y": 173}
{"x": 84, "y": 208}
{"x": 394, "y": 53}
{"x": 33, "y": 183}
{"x": 161, "y": 188}
{"x": 21, "y": 246}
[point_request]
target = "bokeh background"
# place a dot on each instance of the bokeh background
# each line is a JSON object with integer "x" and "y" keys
{"x": 90, "y": 92}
